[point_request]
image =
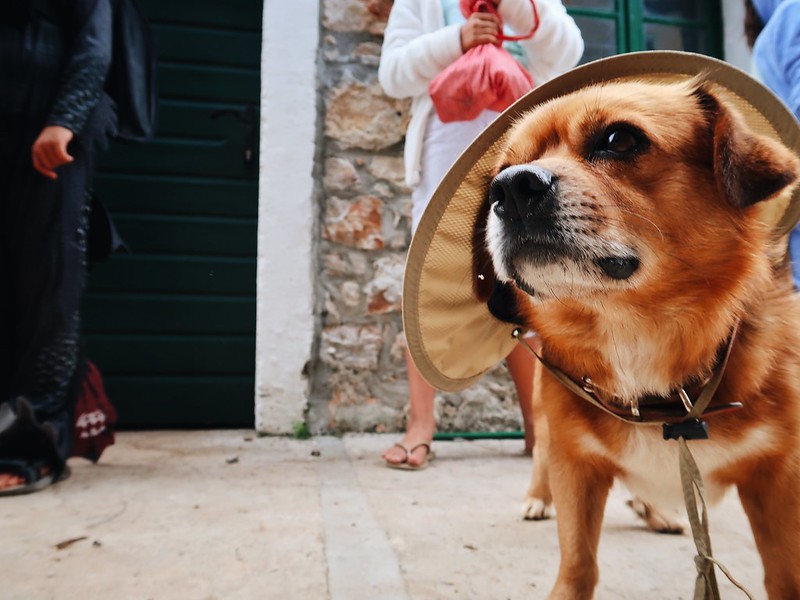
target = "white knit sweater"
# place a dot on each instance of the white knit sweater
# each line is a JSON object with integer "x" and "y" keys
{"x": 417, "y": 46}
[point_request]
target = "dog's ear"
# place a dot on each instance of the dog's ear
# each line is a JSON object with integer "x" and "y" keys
{"x": 504, "y": 306}
{"x": 748, "y": 167}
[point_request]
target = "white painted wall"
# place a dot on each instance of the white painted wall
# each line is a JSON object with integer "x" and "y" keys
{"x": 286, "y": 216}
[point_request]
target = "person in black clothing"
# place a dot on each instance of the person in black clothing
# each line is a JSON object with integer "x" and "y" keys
{"x": 54, "y": 56}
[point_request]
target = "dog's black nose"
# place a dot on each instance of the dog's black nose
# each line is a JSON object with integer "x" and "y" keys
{"x": 522, "y": 191}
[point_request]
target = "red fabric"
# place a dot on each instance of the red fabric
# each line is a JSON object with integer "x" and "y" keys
{"x": 484, "y": 77}
{"x": 95, "y": 417}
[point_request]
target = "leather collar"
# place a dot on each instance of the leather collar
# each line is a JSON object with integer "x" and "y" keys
{"x": 689, "y": 401}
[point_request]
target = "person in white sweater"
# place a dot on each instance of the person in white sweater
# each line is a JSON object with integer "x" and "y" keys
{"x": 422, "y": 38}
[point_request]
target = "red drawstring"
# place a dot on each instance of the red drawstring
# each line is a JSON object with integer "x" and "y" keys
{"x": 470, "y": 6}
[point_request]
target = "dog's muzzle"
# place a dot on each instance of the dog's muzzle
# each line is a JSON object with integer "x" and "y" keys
{"x": 524, "y": 196}
{"x": 524, "y": 201}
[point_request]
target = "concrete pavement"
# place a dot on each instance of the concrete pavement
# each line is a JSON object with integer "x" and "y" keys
{"x": 228, "y": 515}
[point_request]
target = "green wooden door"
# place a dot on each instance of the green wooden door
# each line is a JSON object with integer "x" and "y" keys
{"x": 172, "y": 325}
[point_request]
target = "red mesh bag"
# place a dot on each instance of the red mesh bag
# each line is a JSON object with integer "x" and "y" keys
{"x": 484, "y": 77}
{"x": 95, "y": 417}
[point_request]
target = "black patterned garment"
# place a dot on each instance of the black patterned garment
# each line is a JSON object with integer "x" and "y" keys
{"x": 54, "y": 55}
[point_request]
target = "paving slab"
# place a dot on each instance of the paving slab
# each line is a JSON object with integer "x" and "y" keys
{"x": 224, "y": 515}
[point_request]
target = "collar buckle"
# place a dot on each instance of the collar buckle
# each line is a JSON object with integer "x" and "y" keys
{"x": 687, "y": 403}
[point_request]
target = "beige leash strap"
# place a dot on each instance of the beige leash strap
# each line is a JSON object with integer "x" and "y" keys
{"x": 694, "y": 492}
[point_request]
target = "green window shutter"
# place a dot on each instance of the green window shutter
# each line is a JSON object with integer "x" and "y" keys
{"x": 617, "y": 26}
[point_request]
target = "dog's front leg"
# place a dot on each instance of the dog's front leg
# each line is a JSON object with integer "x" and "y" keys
{"x": 771, "y": 498}
{"x": 580, "y": 488}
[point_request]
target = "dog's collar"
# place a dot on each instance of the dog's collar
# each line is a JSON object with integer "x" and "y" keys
{"x": 687, "y": 402}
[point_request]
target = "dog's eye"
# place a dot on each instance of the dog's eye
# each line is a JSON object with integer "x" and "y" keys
{"x": 618, "y": 141}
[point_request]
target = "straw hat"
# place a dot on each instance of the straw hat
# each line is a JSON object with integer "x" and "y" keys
{"x": 451, "y": 334}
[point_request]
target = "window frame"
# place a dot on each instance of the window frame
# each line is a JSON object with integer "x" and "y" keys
{"x": 630, "y": 21}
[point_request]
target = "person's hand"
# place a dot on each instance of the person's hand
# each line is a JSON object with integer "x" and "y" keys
{"x": 50, "y": 150}
{"x": 480, "y": 28}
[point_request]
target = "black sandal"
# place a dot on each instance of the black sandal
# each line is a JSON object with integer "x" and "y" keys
{"x": 28, "y": 449}
{"x": 37, "y": 474}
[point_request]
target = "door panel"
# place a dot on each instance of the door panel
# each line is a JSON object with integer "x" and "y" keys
{"x": 172, "y": 324}
{"x": 165, "y": 401}
{"x": 203, "y": 140}
{"x": 187, "y": 235}
{"x": 180, "y": 275}
{"x": 162, "y": 354}
{"x": 225, "y": 84}
{"x": 212, "y": 47}
{"x": 232, "y": 15}
{"x": 161, "y": 194}
{"x": 168, "y": 314}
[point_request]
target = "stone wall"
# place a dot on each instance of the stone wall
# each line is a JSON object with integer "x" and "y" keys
{"x": 358, "y": 378}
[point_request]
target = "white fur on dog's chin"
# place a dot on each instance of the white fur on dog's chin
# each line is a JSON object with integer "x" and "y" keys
{"x": 566, "y": 275}
{"x": 495, "y": 242}
{"x": 565, "y": 278}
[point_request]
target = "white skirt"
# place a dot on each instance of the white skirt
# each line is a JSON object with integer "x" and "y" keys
{"x": 443, "y": 144}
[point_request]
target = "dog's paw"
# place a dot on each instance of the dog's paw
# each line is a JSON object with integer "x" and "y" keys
{"x": 655, "y": 520}
{"x": 536, "y": 509}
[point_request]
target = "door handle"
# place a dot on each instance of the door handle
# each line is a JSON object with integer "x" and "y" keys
{"x": 248, "y": 116}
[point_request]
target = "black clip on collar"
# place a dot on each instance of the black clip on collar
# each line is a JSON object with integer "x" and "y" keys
{"x": 691, "y": 429}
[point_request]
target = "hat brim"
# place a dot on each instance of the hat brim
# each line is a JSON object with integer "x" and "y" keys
{"x": 451, "y": 335}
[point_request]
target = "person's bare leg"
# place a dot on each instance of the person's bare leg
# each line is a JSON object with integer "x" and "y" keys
{"x": 421, "y": 421}
{"x": 522, "y": 364}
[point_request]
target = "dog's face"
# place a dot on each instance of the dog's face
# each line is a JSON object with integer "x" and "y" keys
{"x": 634, "y": 190}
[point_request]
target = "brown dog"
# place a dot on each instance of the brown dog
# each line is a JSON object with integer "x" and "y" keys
{"x": 624, "y": 222}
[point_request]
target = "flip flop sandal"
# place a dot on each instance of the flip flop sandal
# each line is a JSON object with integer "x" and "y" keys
{"x": 429, "y": 456}
{"x": 31, "y": 472}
